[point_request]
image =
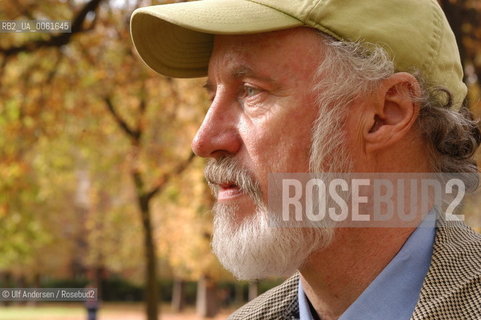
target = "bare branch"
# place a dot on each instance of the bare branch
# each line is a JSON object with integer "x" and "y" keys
{"x": 55, "y": 68}
{"x": 142, "y": 109}
{"x": 165, "y": 178}
{"x": 138, "y": 182}
{"x": 132, "y": 133}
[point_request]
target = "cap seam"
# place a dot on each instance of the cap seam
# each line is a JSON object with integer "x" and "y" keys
{"x": 314, "y": 5}
{"x": 277, "y": 9}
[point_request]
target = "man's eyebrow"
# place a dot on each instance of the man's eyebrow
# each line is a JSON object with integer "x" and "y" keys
{"x": 243, "y": 71}
{"x": 238, "y": 73}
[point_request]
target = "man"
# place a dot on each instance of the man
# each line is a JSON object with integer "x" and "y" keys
{"x": 318, "y": 86}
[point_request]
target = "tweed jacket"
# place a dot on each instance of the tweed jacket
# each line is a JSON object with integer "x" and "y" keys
{"x": 451, "y": 288}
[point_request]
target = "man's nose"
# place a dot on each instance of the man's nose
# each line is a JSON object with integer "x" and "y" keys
{"x": 218, "y": 135}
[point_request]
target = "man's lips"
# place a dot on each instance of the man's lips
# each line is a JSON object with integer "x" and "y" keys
{"x": 228, "y": 191}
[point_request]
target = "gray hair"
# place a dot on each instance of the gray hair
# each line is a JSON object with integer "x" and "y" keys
{"x": 351, "y": 68}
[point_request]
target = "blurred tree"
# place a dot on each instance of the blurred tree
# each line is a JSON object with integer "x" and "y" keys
{"x": 81, "y": 113}
{"x": 144, "y": 192}
{"x": 25, "y": 82}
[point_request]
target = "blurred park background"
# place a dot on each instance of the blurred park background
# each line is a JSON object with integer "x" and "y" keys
{"x": 98, "y": 184}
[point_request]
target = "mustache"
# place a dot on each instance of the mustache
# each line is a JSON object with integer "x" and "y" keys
{"x": 228, "y": 171}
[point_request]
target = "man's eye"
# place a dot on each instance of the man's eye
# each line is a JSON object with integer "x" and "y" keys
{"x": 250, "y": 91}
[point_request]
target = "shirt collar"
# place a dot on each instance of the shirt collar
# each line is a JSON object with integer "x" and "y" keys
{"x": 395, "y": 291}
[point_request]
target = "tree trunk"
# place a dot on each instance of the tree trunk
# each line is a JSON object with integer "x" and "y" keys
{"x": 178, "y": 295}
{"x": 95, "y": 277}
{"x": 36, "y": 284}
{"x": 207, "y": 302}
{"x": 22, "y": 283}
{"x": 145, "y": 195}
{"x": 151, "y": 288}
{"x": 239, "y": 294}
{"x": 253, "y": 289}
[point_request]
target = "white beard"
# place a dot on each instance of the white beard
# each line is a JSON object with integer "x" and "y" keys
{"x": 254, "y": 249}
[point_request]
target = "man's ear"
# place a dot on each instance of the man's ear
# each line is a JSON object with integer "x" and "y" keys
{"x": 393, "y": 111}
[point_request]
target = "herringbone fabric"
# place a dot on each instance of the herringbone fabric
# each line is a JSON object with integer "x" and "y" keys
{"x": 451, "y": 288}
{"x": 277, "y": 303}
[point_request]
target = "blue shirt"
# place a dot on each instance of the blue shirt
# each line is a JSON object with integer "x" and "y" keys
{"x": 395, "y": 291}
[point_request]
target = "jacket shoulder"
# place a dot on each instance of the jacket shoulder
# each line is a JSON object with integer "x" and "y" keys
{"x": 452, "y": 287}
{"x": 278, "y": 303}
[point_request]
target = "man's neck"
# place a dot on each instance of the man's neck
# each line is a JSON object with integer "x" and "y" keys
{"x": 333, "y": 278}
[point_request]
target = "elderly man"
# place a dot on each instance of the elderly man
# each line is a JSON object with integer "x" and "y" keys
{"x": 311, "y": 86}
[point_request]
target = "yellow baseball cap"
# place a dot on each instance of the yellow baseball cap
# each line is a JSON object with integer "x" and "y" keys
{"x": 176, "y": 39}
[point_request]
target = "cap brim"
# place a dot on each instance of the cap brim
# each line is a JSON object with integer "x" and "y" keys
{"x": 176, "y": 39}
